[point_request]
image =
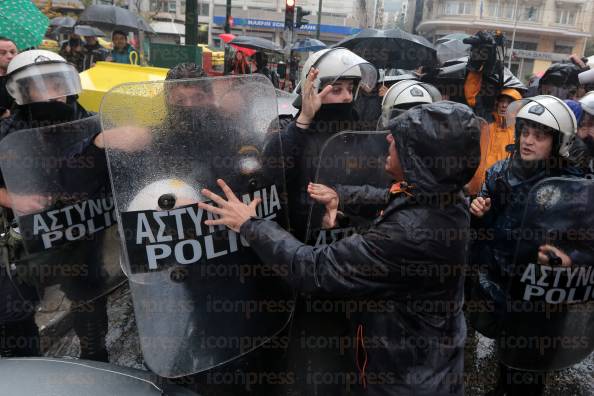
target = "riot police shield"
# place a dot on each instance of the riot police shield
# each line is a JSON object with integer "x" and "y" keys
{"x": 201, "y": 296}
{"x": 64, "y": 240}
{"x": 353, "y": 165}
{"x": 550, "y": 304}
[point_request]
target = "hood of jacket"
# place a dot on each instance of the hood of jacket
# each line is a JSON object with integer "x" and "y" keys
{"x": 438, "y": 146}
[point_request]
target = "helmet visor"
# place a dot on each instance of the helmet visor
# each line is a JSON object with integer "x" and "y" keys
{"x": 512, "y": 111}
{"x": 43, "y": 82}
{"x": 344, "y": 64}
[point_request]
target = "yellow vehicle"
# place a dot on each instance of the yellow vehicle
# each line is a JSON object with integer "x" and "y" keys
{"x": 218, "y": 57}
{"x": 99, "y": 79}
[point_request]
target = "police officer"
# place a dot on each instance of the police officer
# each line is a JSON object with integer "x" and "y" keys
{"x": 330, "y": 80}
{"x": 336, "y": 76}
{"x": 406, "y": 94}
{"x": 545, "y": 129}
{"x": 45, "y": 89}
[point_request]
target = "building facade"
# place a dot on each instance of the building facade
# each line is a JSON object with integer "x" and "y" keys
{"x": 263, "y": 18}
{"x": 547, "y": 31}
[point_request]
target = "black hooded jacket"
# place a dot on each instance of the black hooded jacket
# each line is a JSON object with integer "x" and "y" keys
{"x": 406, "y": 272}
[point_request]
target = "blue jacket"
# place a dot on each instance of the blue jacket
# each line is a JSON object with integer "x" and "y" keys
{"x": 123, "y": 56}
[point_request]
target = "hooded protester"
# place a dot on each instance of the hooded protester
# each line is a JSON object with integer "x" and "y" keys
{"x": 415, "y": 347}
{"x": 545, "y": 128}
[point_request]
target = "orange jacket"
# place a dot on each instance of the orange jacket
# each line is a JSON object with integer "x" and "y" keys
{"x": 494, "y": 138}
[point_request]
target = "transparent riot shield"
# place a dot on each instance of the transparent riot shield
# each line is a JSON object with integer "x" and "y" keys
{"x": 201, "y": 297}
{"x": 64, "y": 240}
{"x": 353, "y": 165}
{"x": 550, "y": 308}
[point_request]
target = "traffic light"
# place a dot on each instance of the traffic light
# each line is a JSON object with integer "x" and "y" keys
{"x": 300, "y": 14}
{"x": 289, "y": 14}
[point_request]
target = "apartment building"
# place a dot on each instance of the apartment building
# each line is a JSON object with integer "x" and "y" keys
{"x": 547, "y": 31}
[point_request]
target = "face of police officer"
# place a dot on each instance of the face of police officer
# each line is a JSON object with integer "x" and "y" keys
{"x": 535, "y": 143}
{"x": 188, "y": 96}
{"x": 7, "y": 51}
{"x": 393, "y": 166}
{"x": 342, "y": 92}
{"x": 54, "y": 87}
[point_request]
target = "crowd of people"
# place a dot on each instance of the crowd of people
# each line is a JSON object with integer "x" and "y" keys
{"x": 453, "y": 172}
{"x": 83, "y": 54}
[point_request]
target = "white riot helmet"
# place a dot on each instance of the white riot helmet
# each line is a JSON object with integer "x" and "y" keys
{"x": 40, "y": 76}
{"x": 339, "y": 63}
{"x": 587, "y": 103}
{"x": 548, "y": 111}
{"x": 405, "y": 94}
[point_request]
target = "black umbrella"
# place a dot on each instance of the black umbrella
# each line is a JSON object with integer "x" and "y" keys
{"x": 66, "y": 22}
{"x": 109, "y": 17}
{"x": 256, "y": 43}
{"x": 308, "y": 44}
{"x": 451, "y": 49}
{"x": 393, "y": 48}
{"x": 81, "y": 30}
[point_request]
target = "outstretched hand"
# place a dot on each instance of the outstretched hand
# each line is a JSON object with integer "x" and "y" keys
{"x": 231, "y": 212}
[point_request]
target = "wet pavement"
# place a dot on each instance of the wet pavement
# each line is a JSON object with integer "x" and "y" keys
{"x": 481, "y": 365}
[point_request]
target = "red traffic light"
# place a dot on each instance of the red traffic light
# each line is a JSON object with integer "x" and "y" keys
{"x": 290, "y": 3}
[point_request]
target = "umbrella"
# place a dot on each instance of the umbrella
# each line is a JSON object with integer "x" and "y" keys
{"x": 451, "y": 49}
{"x": 145, "y": 26}
{"x": 67, "y": 22}
{"x": 227, "y": 37}
{"x": 81, "y": 30}
{"x": 308, "y": 44}
{"x": 256, "y": 43}
{"x": 453, "y": 36}
{"x": 109, "y": 17}
{"x": 85, "y": 30}
{"x": 22, "y": 22}
{"x": 392, "y": 48}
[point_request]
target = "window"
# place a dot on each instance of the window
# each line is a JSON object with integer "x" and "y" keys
{"x": 523, "y": 45}
{"x": 530, "y": 14}
{"x": 458, "y": 8}
{"x": 566, "y": 17}
{"x": 563, "y": 49}
{"x": 500, "y": 9}
{"x": 171, "y": 6}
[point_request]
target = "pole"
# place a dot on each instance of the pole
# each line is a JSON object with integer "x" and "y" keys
{"x": 228, "y": 16}
{"x": 511, "y": 51}
{"x": 210, "y": 17}
{"x": 319, "y": 19}
{"x": 191, "y": 22}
